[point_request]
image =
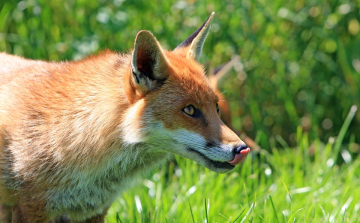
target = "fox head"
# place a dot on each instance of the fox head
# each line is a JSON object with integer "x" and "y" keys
{"x": 173, "y": 107}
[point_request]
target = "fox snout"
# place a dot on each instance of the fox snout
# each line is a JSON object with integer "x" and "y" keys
{"x": 219, "y": 157}
{"x": 240, "y": 153}
{"x": 219, "y": 163}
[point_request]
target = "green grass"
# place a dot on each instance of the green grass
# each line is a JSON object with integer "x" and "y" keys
{"x": 301, "y": 184}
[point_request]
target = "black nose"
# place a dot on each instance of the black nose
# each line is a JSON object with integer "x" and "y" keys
{"x": 240, "y": 147}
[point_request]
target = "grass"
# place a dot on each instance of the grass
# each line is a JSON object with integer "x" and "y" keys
{"x": 302, "y": 184}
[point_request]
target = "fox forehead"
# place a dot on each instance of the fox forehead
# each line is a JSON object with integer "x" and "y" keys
{"x": 190, "y": 76}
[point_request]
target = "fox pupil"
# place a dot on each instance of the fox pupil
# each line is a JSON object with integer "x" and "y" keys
{"x": 189, "y": 110}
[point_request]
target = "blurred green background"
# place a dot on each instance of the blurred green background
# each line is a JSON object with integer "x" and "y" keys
{"x": 301, "y": 58}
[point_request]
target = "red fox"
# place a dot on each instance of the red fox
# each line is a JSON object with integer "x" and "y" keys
{"x": 74, "y": 134}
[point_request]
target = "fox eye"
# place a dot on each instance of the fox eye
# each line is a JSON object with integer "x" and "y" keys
{"x": 189, "y": 110}
{"x": 217, "y": 108}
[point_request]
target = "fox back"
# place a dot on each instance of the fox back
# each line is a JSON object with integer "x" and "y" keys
{"x": 74, "y": 134}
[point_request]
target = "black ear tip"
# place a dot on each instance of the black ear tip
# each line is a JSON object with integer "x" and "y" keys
{"x": 187, "y": 42}
{"x": 217, "y": 69}
{"x": 142, "y": 34}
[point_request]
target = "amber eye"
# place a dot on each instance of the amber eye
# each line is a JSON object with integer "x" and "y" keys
{"x": 189, "y": 110}
{"x": 217, "y": 108}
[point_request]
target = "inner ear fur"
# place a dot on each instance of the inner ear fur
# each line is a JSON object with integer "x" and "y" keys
{"x": 149, "y": 65}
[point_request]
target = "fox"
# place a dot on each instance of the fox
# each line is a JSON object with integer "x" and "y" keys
{"x": 75, "y": 134}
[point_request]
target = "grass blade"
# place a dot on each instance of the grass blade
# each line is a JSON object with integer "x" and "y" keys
{"x": 343, "y": 130}
{"x": 192, "y": 215}
{"x": 238, "y": 216}
{"x": 206, "y": 214}
{"x": 155, "y": 214}
{"x": 118, "y": 220}
{"x": 343, "y": 220}
{"x": 273, "y": 206}
{"x": 294, "y": 214}
{"x": 247, "y": 214}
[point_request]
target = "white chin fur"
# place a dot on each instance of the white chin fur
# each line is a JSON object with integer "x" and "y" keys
{"x": 181, "y": 142}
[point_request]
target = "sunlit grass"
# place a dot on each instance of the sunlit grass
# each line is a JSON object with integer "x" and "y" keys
{"x": 301, "y": 184}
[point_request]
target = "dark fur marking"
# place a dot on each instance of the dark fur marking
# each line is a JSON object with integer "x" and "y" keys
{"x": 200, "y": 115}
{"x": 211, "y": 144}
{"x": 190, "y": 39}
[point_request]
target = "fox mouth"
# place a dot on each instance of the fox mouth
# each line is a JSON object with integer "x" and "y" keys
{"x": 226, "y": 165}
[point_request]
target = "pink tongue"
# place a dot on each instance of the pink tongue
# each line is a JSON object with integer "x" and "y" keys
{"x": 239, "y": 157}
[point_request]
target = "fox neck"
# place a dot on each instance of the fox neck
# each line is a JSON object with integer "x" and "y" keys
{"x": 117, "y": 141}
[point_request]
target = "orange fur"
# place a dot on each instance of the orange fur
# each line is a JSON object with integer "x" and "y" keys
{"x": 73, "y": 135}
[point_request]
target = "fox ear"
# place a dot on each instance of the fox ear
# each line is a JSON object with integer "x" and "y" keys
{"x": 195, "y": 42}
{"x": 219, "y": 72}
{"x": 148, "y": 62}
